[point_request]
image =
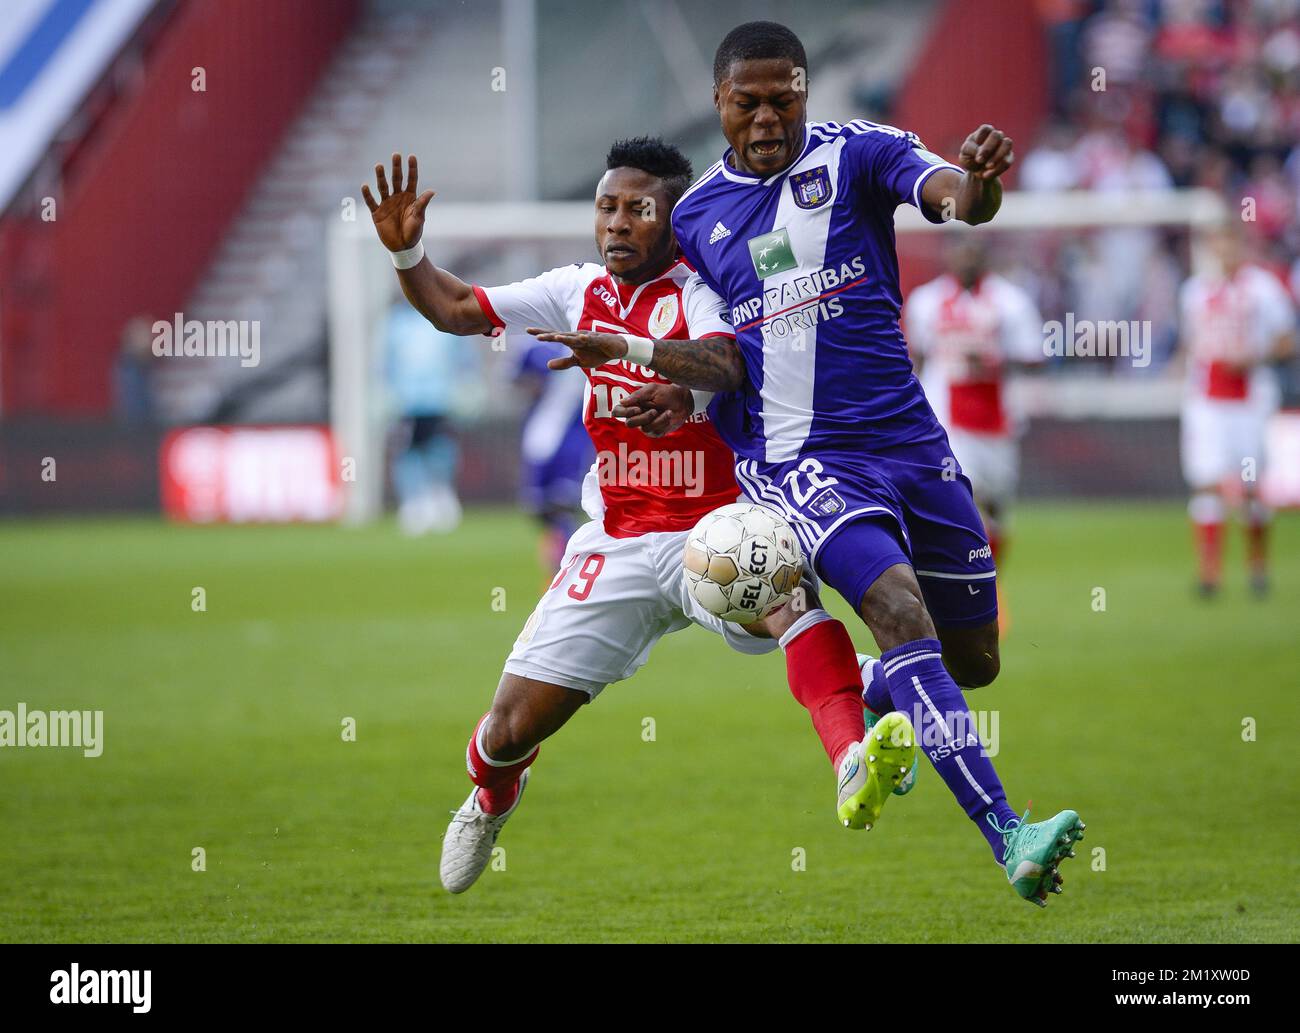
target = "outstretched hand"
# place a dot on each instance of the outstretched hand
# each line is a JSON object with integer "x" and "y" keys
{"x": 399, "y": 214}
{"x": 590, "y": 349}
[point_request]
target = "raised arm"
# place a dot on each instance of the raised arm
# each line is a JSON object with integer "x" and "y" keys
{"x": 975, "y": 195}
{"x": 710, "y": 364}
{"x": 444, "y": 300}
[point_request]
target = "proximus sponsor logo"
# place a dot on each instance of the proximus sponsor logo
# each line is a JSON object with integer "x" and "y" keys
{"x": 980, "y": 554}
{"x": 786, "y": 310}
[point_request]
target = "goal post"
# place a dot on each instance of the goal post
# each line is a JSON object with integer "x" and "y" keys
{"x": 482, "y": 243}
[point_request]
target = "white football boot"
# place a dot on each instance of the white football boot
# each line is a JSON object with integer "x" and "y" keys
{"x": 470, "y": 837}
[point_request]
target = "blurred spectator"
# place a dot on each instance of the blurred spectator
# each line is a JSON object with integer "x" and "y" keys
{"x": 1116, "y": 40}
{"x": 133, "y": 387}
{"x": 1197, "y": 93}
{"x": 1064, "y": 22}
{"x": 1051, "y": 165}
{"x": 1273, "y": 197}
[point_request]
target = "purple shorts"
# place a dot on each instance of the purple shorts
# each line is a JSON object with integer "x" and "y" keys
{"x": 857, "y": 514}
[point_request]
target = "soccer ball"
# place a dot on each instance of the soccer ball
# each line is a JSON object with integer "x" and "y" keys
{"x": 742, "y": 562}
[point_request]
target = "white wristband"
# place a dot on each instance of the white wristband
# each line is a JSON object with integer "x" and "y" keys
{"x": 409, "y": 258}
{"x": 701, "y": 400}
{"x": 640, "y": 350}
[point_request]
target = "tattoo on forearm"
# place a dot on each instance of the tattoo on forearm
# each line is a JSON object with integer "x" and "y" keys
{"x": 713, "y": 364}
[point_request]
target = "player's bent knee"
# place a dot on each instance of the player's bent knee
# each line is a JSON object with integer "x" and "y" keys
{"x": 974, "y": 672}
{"x": 895, "y": 611}
{"x": 971, "y": 654}
{"x": 507, "y": 736}
{"x": 524, "y": 713}
{"x": 905, "y": 616}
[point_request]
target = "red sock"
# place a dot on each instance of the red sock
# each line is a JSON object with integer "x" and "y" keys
{"x": 822, "y": 667}
{"x": 1209, "y": 543}
{"x": 1257, "y": 545}
{"x": 498, "y": 783}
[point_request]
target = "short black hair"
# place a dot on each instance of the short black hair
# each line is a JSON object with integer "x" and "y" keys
{"x": 757, "y": 41}
{"x": 652, "y": 155}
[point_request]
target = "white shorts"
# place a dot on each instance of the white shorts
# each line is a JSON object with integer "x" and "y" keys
{"x": 613, "y": 599}
{"x": 991, "y": 461}
{"x": 1218, "y": 436}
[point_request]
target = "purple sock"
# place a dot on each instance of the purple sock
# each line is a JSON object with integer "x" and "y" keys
{"x": 922, "y": 688}
{"x": 875, "y": 693}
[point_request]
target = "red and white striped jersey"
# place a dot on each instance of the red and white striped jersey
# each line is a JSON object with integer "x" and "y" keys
{"x": 966, "y": 338}
{"x": 646, "y": 484}
{"x": 1229, "y": 323}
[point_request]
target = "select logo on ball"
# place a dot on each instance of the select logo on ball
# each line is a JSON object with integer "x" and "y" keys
{"x": 742, "y": 562}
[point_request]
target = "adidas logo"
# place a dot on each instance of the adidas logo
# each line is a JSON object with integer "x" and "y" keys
{"x": 719, "y": 231}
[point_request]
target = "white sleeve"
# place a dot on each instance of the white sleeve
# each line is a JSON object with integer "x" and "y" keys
{"x": 705, "y": 312}
{"x": 1277, "y": 316}
{"x": 593, "y": 502}
{"x": 546, "y": 300}
{"x": 916, "y": 322}
{"x": 1023, "y": 330}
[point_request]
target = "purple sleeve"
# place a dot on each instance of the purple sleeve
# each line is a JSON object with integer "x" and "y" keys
{"x": 891, "y": 165}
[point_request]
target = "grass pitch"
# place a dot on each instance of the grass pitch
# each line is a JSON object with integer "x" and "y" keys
{"x": 223, "y": 731}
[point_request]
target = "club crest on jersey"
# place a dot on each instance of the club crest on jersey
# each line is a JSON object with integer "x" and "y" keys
{"x": 663, "y": 316}
{"x": 812, "y": 188}
{"x": 828, "y": 503}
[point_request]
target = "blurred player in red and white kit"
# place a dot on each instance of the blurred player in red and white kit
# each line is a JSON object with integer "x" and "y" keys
{"x": 967, "y": 329}
{"x": 620, "y": 587}
{"x": 1236, "y": 319}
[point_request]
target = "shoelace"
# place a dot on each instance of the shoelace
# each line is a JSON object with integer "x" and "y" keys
{"x": 1012, "y": 824}
{"x": 478, "y": 816}
{"x": 463, "y": 824}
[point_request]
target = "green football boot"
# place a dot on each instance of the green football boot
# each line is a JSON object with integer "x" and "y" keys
{"x": 1033, "y": 852}
{"x": 909, "y": 780}
{"x": 873, "y": 768}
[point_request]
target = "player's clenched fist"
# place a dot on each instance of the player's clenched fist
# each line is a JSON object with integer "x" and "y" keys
{"x": 656, "y": 409}
{"x": 399, "y": 214}
{"x": 987, "y": 153}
